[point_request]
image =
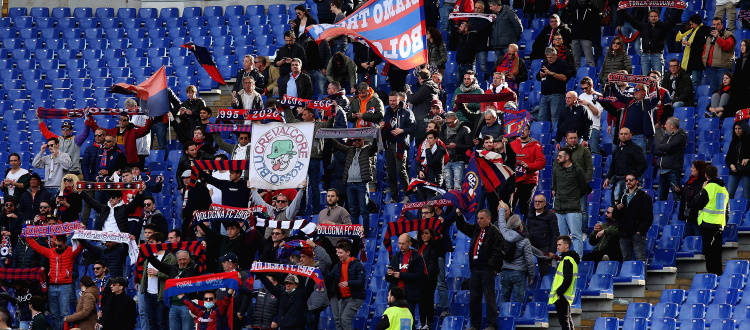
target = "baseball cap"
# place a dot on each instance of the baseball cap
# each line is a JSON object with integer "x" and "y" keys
{"x": 230, "y": 256}
{"x": 291, "y": 279}
{"x": 437, "y": 103}
{"x": 119, "y": 280}
{"x": 35, "y": 176}
{"x": 67, "y": 124}
{"x": 186, "y": 174}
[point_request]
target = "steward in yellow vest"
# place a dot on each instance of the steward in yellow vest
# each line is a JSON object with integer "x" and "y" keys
{"x": 397, "y": 316}
{"x": 564, "y": 284}
{"x": 710, "y": 210}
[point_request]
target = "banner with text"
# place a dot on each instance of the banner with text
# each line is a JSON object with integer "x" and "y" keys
{"x": 281, "y": 154}
{"x": 394, "y": 29}
{"x": 51, "y": 230}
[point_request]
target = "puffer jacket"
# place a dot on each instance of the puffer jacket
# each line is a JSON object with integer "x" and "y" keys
{"x": 85, "y": 315}
{"x": 422, "y": 99}
{"x": 357, "y": 279}
{"x": 113, "y": 258}
{"x": 366, "y": 163}
{"x": 24, "y": 256}
{"x": 506, "y": 30}
{"x": 532, "y": 154}
{"x": 543, "y": 230}
{"x": 614, "y": 62}
{"x": 671, "y": 149}
{"x": 523, "y": 260}
{"x": 462, "y": 139}
{"x": 438, "y": 55}
{"x": 60, "y": 265}
{"x": 266, "y": 307}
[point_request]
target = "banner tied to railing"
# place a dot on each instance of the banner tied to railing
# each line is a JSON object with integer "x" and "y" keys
{"x": 249, "y": 114}
{"x": 676, "y": 4}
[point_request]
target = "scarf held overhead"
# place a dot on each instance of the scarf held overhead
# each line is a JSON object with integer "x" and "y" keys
{"x": 229, "y": 128}
{"x": 84, "y": 185}
{"x": 177, "y": 286}
{"x": 676, "y": 4}
{"x": 47, "y": 113}
{"x": 305, "y": 226}
{"x": 404, "y": 226}
{"x": 51, "y": 230}
{"x": 249, "y": 114}
{"x": 306, "y": 271}
{"x": 485, "y": 98}
{"x": 109, "y": 236}
{"x": 466, "y": 16}
{"x": 633, "y": 79}
{"x": 338, "y": 230}
{"x": 215, "y": 165}
{"x": 222, "y": 213}
{"x": 194, "y": 247}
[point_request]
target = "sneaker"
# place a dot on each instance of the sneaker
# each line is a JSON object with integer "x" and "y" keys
{"x": 605, "y": 258}
{"x": 445, "y": 313}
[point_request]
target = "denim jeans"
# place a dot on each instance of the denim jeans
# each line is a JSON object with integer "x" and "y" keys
{"x": 454, "y": 174}
{"x": 358, "y": 197}
{"x": 156, "y": 311}
{"x": 714, "y": 76}
{"x": 550, "y": 106}
{"x": 344, "y": 313}
{"x": 640, "y": 140}
{"x": 583, "y": 46}
{"x": 594, "y": 141}
{"x": 482, "y": 63}
{"x": 53, "y": 191}
{"x": 482, "y": 283}
{"x": 513, "y": 281}
{"x": 667, "y": 181}
{"x": 696, "y": 77}
{"x": 652, "y": 62}
{"x": 24, "y": 325}
{"x": 570, "y": 224}
{"x": 618, "y": 187}
{"x": 319, "y": 81}
{"x": 442, "y": 286}
{"x": 445, "y": 11}
{"x": 635, "y": 242}
{"x": 627, "y": 30}
{"x": 59, "y": 303}
{"x": 180, "y": 319}
{"x": 463, "y": 68}
{"x": 734, "y": 182}
{"x": 313, "y": 186}
{"x": 143, "y": 310}
{"x": 159, "y": 130}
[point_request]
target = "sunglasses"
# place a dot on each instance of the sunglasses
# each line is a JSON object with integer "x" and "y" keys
{"x": 97, "y": 268}
{"x": 68, "y": 180}
{"x": 208, "y": 299}
{"x": 43, "y": 207}
{"x": 638, "y": 89}
{"x": 148, "y": 204}
{"x": 275, "y": 233}
{"x": 282, "y": 201}
{"x": 109, "y": 141}
{"x": 67, "y": 129}
{"x": 122, "y": 119}
{"x": 50, "y": 145}
{"x": 539, "y": 201}
{"x": 617, "y": 43}
{"x": 630, "y": 180}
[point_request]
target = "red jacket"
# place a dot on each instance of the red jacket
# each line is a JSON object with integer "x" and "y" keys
{"x": 131, "y": 134}
{"x": 60, "y": 265}
{"x": 533, "y": 155}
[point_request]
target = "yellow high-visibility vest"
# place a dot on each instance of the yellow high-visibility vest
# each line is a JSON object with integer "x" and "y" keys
{"x": 715, "y": 211}
{"x": 559, "y": 276}
{"x": 399, "y": 318}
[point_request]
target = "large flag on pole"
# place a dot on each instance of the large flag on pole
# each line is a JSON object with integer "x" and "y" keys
{"x": 153, "y": 93}
{"x": 204, "y": 59}
{"x": 395, "y": 30}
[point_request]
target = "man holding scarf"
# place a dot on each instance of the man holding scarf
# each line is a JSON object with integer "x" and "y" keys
{"x": 366, "y": 109}
{"x": 469, "y": 86}
{"x": 179, "y": 316}
{"x": 513, "y": 68}
{"x": 501, "y": 86}
{"x": 398, "y": 125}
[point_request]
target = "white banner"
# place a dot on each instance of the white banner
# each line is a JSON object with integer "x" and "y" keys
{"x": 109, "y": 236}
{"x": 281, "y": 155}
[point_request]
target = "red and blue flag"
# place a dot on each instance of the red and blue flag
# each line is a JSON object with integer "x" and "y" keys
{"x": 204, "y": 59}
{"x": 395, "y": 30}
{"x": 153, "y": 93}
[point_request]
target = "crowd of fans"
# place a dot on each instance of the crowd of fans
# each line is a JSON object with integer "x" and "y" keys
{"x": 420, "y": 140}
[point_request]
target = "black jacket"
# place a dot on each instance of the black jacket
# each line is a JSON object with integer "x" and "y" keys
{"x": 544, "y": 40}
{"x": 290, "y": 51}
{"x": 687, "y": 193}
{"x": 29, "y": 205}
{"x": 291, "y": 304}
{"x": 185, "y": 135}
{"x": 695, "y": 62}
{"x": 671, "y": 149}
{"x": 433, "y": 170}
{"x": 462, "y": 139}
{"x": 235, "y": 194}
{"x": 156, "y": 218}
{"x": 113, "y": 258}
{"x": 653, "y": 35}
{"x": 626, "y": 158}
{"x": 490, "y": 253}
{"x": 466, "y": 50}
{"x": 357, "y": 279}
{"x": 303, "y": 82}
{"x": 412, "y": 277}
{"x": 260, "y": 81}
{"x": 543, "y": 230}
{"x": 266, "y": 308}
{"x": 121, "y": 212}
{"x": 430, "y": 254}
{"x": 573, "y": 118}
{"x": 13, "y": 225}
{"x": 681, "y": 87}
{"x": 24, "y": 256}
{"x": 366, "y": 161}
{"x": 636, "y": 216}
{"x": 739, "y": 149}
{"x": 567, "y": 272}
{"x": 582, "y": 17}
{"x": 185, "y": 164}
{"x": 118, "y": 312}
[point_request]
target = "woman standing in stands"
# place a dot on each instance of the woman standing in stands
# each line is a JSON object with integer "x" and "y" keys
{"x": 721, "y": 97}
{"x": 85, "y": 315}
{"x": 438, "y": 51}
{"x": 615, "y": 60}
{"x": 69, "y": 205}
{"x": 300, "y": 23}
{"x": 738, "y": 161}
{"x": 687, "y": 192}
{"x": 190, "y": 108}
{"x": 430, "y": 251}
{"x": 741, "y": 83}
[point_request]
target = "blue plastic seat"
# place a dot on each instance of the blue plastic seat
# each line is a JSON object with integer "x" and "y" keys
{"x": 170, "y": 12}
{"x": 177, "y": 32}
{"x": 174, "y": 22}
{"x": 608, "y": 267}
{"x": 218, "y": 31}
{"x": 534, "y": 312}
{"x": 22, "y": 22}
{"x": 104, "y": 12}
{"x": 123, "y": 13}
{"x": 16, "y": 94}
{"x": 76, "y": 44}
{"x": 164, "y": 42}
{"x": 198, "y": 31}
{"x": 717, "y": 311}
{"x": 49, "y": 33}
{"x": 12, "y": 43}
{"x": 257, "y": 20}
{"x": 158, "y": 32}
{"x": 727, "y": 296}
{"x": 195, "y": 21}
{"x": 234, "y": 11}
{"x": 693, "y": 324}
{"x": 61, "y": 83}
{"x": 723, "y": 324}
{"x": 53, "y": 75}
{"x": 35, "y": 84}
{"x": 28, "y": 33}
{"x": 607, "y": 323}
{"x": 511, "y": 309}
{"x": 191, "y": 12}
{"x": 635, "y": 323}
{"x": 212, "y": 11}
{"x": 216, "y": 21}
{"x": 699, "y": 297}
{"x": 83, "y": 12}
{"x": 25, "y": 64}
{"x": 704, "y": 282}
{"x": 109, "y": 22}
{"x": 277, "y": 9}
{"x": 599, "y": 284}
{"x": 453, "y": 322}
{"x": 665, "y": 310}
{"x": 88, "y": 23}
{"x": 691, "y": 311}
{"x": 732, "y": 281}
{"x": 63, "y": 104}
{"x": 672, "y": 296}
{"x": 78, "y": 73}
{"x": 251, "y": 10}
{"x": 663, "y": 258}
{"x": 34, "y": 12}
{"x": 146, "y": 13}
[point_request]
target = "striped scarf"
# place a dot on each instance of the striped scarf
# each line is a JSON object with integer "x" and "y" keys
{"x": 83, "y": 185}
{"x": 305, "y": 226}
{"x": 25, "y": 274}
{"x": 405, "y": 226}
{"x": 485, "y": 98}
{"x": 51, "y": 230}
{"x": 229, "y": 128}
{"x": 47, "y": 113}
{"x": 146, "y": 250}
{"x": 249, "y": 114}
{"x": 216, "y": 165}
{"x": 306, "y": 271}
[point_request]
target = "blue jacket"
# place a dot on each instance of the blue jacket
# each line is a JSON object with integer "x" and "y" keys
{"x": 404, "y": 119}
{"x": 357, "y": 279}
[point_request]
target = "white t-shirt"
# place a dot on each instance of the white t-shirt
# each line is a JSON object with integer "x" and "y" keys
{"x": 153, "y": 281}
{"x": 216, "y": 192}
{"x": 596, "y": 120}
{"x": 111, "y": 224}
{"x": 240, "y": 153}
{"x": 14, "y": 177}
